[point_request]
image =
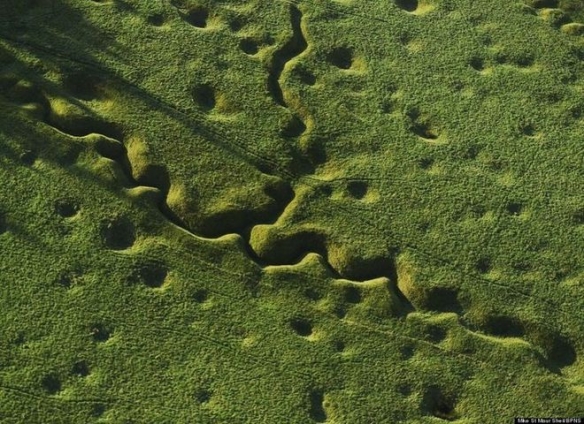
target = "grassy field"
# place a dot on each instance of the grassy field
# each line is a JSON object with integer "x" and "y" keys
{"x": 309, "y": 211}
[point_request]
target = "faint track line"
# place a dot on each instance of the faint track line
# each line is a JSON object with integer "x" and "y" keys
{"x": 372, "y": 224}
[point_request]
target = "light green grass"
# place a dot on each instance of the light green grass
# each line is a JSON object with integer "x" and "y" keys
{"x": 397, "y": 236}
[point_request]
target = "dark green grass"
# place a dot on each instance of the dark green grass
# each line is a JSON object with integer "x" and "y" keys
{"x": 312, "y": 211}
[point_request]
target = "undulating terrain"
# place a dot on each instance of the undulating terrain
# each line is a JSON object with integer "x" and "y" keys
{"x": 273, "y": 211}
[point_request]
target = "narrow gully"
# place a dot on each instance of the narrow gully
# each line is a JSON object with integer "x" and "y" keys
{"x": 293, "y": 47}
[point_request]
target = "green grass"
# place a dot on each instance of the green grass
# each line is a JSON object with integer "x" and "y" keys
{"x": 340, "y": 211}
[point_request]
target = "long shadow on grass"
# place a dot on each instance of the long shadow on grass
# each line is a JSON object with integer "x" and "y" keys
{"x": 56, "y": 23}
{"x": 71, "y": 50}
{"x": 58, "y": 29}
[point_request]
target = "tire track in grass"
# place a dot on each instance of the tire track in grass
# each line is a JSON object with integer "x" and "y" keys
{"x": 442, "y": 262}
{"x": 412, "y": 247}
{"x": 186, "y": 117}
{"x": 124, "y": 163}
{"x": 310, "y": 178}
{"x": 253, "y": 281}
{"x": 215, "y": 341}
{"x": 250, "y": 358}
{"x": 57, "y": 403}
